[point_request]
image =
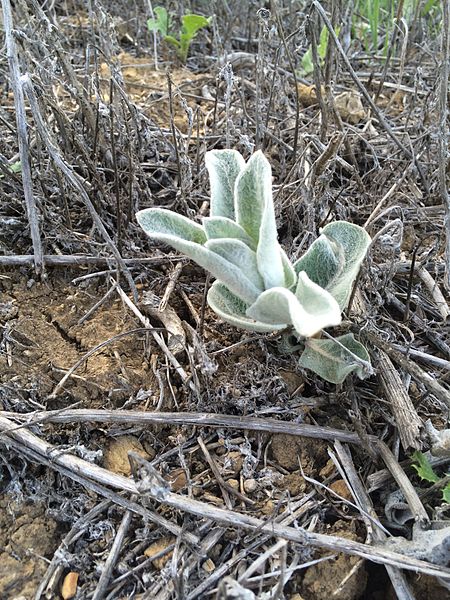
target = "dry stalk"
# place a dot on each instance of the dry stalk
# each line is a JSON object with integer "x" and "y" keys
{"x": 17, "y": 82}
{"x": 78, "y": 468}
{"x": 241, "y": 423}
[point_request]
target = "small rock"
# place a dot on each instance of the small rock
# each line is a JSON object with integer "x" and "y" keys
{"x": 250, "y": 485}
{"x": 213, "y": 499}
{"x": 69, "y": 586}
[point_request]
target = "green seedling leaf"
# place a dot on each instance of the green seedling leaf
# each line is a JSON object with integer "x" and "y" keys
{"x": 192, "y": 23}
{"x": 446, "y": 493}
{"x": 308, "y": 314}
{"x": 222, "y": 227}
{"x": 307, "y": 63}
{"x": 255, "y": 213}
{"x": 334, "y": 360}
{"x": 334, "y": 259}
{"x": 188, "y": 237}
{"x": 240, "y": 255}
{"x": 323, "y": 42}
{"x": 172, "y": 40}
{"x": 13, "y": 168}
{"x": 424, "y": 468}
{"x": 162, "y": 21}
{"x": 232, "y": 310}
{"x": 223, "y": 167}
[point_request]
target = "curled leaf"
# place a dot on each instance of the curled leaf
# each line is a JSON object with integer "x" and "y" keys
{"x": 240, "y": 255}
{"x": 334, "y": 259}
{"x": 189, "y": 238}
{"x": 255, "y": 213}
{"x": 309, "y": 312}
{"x": 232, "y": 310}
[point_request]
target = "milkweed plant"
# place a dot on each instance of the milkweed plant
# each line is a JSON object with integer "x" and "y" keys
{"x": 257, "y": 288}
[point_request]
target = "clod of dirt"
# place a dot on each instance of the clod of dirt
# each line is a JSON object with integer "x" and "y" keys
{"x": 340, "y": 487}
{"x": 288, "y": 450}
{"x": 329, "y": 580}
{"x": 295, "y": 483}
{"x": 341, "y": 578}
{"x": 426, "y": 587}
{"x": 115, "y": 457}
{"x": 26, "y": 535}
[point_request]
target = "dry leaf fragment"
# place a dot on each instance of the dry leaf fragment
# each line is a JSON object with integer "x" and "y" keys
{"x": 158, "y": 547}
{"x": 350, "y": 107}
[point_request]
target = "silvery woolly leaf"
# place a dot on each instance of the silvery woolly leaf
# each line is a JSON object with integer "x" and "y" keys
{"x": 334, "y": 259}
{"x": 232, "y": 310}
{"x": 222, "y": 227}
{"x": 322, "y": 261}
{"x": 240, "y": 255}
{"x": 223, "y": 168}
{"x": 308, "y": 314}
{"x": 255, "y": 213}
{"x": 334, "y": 359}
{"x": 159, "y": 221}
{"x": 290, "y": 276}
{"x": 188, "y": 237}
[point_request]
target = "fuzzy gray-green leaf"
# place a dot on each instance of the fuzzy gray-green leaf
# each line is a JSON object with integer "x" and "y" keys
{"x": 354, "y": 241}
{"x": 321, "y": 262}
{"x": 222, "y": 227}
{"x": 335, "y": 359}
{"x": 310, "y": 312}
{"x": 159, "y": 221}
{"x": 232, "y": 310}
{"x": 180, "y": 233}
{"x": 252, "y": 189}
{"x": 334, "y": 259}
{"x": 240, "y": 255}
{"x": 223, "y": 168}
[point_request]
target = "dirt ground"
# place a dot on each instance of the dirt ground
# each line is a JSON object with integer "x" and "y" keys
{"x": 132, "y": 128}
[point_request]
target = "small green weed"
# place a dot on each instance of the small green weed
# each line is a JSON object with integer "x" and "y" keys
{"x": 190, "y": 26}
{"x": 307, "y": 62}
{"x": 426, "y": 473}
{"x": 13, "y": 168}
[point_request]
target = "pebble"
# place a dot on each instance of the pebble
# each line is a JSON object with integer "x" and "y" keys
{"x": 250, "y": 485}
{"x": 69, "y": 586}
